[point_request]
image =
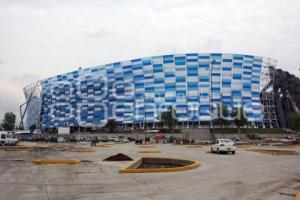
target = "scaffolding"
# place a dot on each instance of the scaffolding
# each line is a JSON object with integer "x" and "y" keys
{"x": 269, "y": 119}
{"x": 31, "y": 108}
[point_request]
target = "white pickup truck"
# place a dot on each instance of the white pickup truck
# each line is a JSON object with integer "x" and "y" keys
{"x": 7, "y": 138}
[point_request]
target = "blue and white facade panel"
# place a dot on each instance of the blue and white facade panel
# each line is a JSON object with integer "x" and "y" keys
{"x": 137, "y": 90}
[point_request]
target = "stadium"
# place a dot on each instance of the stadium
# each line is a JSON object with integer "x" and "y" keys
{"x": 135, "y": 92}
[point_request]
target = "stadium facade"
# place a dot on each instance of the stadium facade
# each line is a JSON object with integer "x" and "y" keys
{"x": 134, "y": 92}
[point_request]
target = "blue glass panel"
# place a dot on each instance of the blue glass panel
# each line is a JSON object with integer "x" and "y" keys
{"x": 237, "y": 76}
{"x": 180, "y": 79}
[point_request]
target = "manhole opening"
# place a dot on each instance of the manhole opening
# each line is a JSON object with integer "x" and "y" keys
{"x": 159, "y": 164}
{"x": 148, "y": 163}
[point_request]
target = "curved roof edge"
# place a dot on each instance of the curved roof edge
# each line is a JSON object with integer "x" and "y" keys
{"x": 157, "y": 56}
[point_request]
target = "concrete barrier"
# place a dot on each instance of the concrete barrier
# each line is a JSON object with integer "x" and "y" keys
{"x": 103, "y": 145}
{"x": 197, "y": 134}
{"x": 146, "y": 146}
{"x": 155, "y": 151}
{"x": 83, "y": 150}
{"x": 274, "y": 151}
{"x": 194, "y": 146}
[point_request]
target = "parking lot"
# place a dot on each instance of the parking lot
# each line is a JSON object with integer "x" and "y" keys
{"x": 246, "y": 175}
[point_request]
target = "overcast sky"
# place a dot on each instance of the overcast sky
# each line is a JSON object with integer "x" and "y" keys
{"x": 40, "y": 38}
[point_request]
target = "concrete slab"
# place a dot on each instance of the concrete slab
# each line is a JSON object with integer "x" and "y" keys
{"x": 246, "y": 175}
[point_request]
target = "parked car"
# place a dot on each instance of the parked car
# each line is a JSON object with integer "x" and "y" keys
{"x": 23, "y": 136}
{"x": 103, "y": 139}
{"x": 170, "y": 139}
{"x": 125, "y": 140}
{"x": 131, "y": 139}
{"x": 61, "y": 140}
{"x": 87, "y": 139}
{"x": 41, "y": 138}
{"x": 223, "y": 145}
{"x": 138, "y": 141}
{"x": 52, "y": 139}
{"x": 70, "y": 139}
{"x": 113, "y": 139}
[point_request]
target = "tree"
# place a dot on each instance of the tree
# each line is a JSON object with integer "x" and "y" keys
{"x": 293, "y": 120}
{"x": 20, "y": 128}
{"x": 111, "y": 125}
{"x": 239, "y": 118}
{"x": 8, "y": 122}
{"x": 222, "y": 114}
{"x": 169, "y": 118}
{"x": 32, "y": 127}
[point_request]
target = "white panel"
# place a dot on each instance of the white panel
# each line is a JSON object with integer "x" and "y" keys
{"x": 170, "y": 80}
{"x": 192, "y": 79}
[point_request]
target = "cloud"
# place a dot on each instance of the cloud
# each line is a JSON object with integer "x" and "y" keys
{"x": 8, "y": 104}
{"x": 25, "y": 79}
{"x": 12, "y": 92}
{"x": 100, "y": 34}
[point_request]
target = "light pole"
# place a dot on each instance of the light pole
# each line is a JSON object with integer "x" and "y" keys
{"x": 145, "y": 118}
{"x": 212, "y": 107}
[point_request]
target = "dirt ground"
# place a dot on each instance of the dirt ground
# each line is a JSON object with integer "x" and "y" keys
{"x": 245, "y": 176}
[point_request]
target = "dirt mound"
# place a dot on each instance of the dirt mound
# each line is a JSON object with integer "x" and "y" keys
{"x": 118, "y": 157}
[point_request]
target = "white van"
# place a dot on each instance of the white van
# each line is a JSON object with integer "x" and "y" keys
{"x": 7, "y": 139}
{"x": 3, "y": 138}
{"x": 12, "y": 140}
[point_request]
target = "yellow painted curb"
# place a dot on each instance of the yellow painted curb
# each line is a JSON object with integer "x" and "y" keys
{"x": 287, "y": 146}
{"x": 17, "y": 148}
{"x": 194, "y": 146}
{"x": 274, "y": 151}
{"x": 194, "y": 165}
{"x": 297, "y": 196}
{"x": 146, "y": 146}
{"x": 103, "y": 145}
{"x": 83, "y": 150}
{"x": 149, "y": 151}
{"x": 69, "y": 162}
